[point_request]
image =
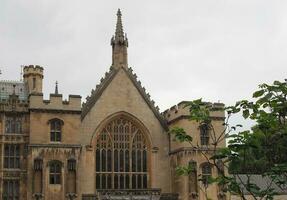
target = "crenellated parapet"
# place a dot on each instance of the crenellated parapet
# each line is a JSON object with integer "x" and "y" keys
{"x": 181, "y": 110}
{"x": 33, "y": 77}
{"x": 55, "y": 103}
{"x": 31, "y": 70}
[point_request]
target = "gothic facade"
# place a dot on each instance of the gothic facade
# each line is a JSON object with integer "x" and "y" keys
{"x": 115, "y": 145}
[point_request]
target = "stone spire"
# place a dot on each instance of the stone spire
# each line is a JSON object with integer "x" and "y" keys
{"x": 56, "y": 88}
{"x": 119, "y": 44}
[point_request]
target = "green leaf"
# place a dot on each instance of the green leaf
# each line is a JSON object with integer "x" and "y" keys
{"x": 246, "y": 114}
{"x": 258, "y": 93}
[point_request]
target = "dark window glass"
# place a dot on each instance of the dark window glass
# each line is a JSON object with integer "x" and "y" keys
{"x": 104, "y": 182}
{"x": 134, "y": 181}
{"x": 109, "y": 182}
{"x": 144, "y": 161}
{"x": 98, "y": 181}
{"x": 139, "y": 182}
{"x": 12, "y": 156}
{"x": 116, "y": 181}
{"x": 11, "y": 190}
{"x": 34, "y": 83}
{"x": 144, "y": 181}
{"x": 122, "y": 181}
{"x": 56, "y": 130}
{"x": 206, "y": 173}
{"x": 55, "y": 172}
{"x": 121, "y": 156}
{"x": 72, "y": 164}
{"x": 127, "y": 181}
{"x": 204, "y": 134}
{"x": 109, "y": 160}
{"x": 116, "y": 161}
{"x": 98, "y": 160}
{"x": 139, "y": 161}
{"x": 121, "y": 160}
{"x": 103, "y": 160}
{"x": 13, "y": 125}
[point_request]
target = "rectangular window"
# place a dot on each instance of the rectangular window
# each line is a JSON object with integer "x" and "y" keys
{"x": 55, "y": 132}
{"x": 12, "y": 156}
{"x": 13, "y": 125}
{"x": 11, "y": 190}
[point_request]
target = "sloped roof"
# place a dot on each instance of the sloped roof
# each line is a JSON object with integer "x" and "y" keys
{"x": 96, "y": 93}
{"x": 260, "y": 181}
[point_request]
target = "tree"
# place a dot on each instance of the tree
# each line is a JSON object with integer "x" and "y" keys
{"x": 261, "y": 150}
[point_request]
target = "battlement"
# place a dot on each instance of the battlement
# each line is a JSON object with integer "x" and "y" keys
{"x": 55, "y": 103}
{"x": 180, "y": 111}
{"x": 33, "y": 70}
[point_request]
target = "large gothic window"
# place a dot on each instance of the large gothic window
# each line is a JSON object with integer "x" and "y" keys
{"x": 121, "y": 156}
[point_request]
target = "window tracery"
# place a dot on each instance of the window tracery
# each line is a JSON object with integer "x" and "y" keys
{"x": 121, "y": 156}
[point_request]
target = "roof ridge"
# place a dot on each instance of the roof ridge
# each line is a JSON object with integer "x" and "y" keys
{"x": 146, "y": 95}
{"x": 95, "y": 93}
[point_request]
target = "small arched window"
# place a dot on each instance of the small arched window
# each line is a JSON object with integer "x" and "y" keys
{"x": 56, "y": 130}
{"x": 206, "y": 173}
{"x": 204, "y": 134}
{"x": 55, "y": 172}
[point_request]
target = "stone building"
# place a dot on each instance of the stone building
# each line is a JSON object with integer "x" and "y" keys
{"x": 115, "y": 145}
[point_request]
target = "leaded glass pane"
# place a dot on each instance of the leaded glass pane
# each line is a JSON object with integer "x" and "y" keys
{"x": 121, "y": 156}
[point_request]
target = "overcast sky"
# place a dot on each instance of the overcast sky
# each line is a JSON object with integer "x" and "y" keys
{"x": 181, "y": 50}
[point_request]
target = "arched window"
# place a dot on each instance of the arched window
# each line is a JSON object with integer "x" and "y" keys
{"x": 55, "y": 172}
{"x": 56, "y": 130}
{"x": 204, "y": 134}
{"x": 121, "y": 156}
{"x": 205, "y": 173}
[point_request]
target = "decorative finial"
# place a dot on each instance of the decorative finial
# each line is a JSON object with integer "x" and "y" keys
{"x": 119, "y": 27}
{"x": 119, "y": 43}
{"x": 56, "y": 88}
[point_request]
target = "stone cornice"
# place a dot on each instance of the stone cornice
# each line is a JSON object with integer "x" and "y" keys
{"x": 41, "y": 110}
{"x": 55, "y": 145}
{"x": 190, "y": 150}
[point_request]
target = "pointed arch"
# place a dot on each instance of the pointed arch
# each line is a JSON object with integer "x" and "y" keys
{"x": 124, "y": 115}
{"x": 122, "y": 148}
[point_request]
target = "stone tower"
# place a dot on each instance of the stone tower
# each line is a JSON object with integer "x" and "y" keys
{"x": 33, "y": 78}
{"x": 119, "y": 43}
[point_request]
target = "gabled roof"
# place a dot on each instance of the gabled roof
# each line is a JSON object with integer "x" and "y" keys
{"x": 95, "y": 94}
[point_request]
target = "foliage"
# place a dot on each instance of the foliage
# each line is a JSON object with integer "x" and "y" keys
{"x": 261, "y": 150}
